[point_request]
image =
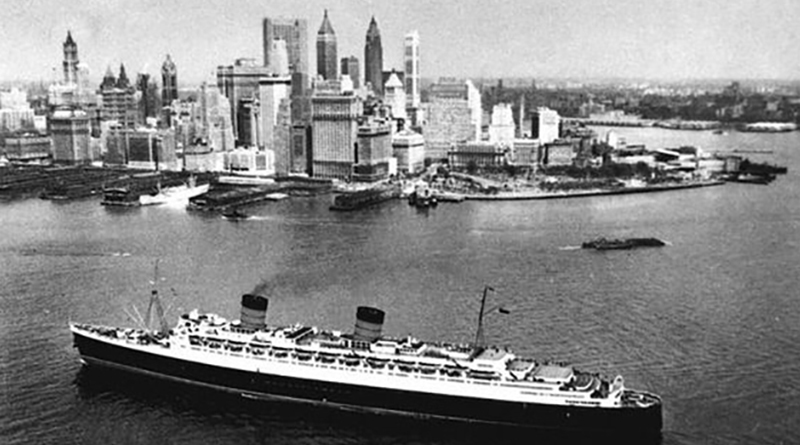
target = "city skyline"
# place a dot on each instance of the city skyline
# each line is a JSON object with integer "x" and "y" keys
{"x": 672, "y": 40}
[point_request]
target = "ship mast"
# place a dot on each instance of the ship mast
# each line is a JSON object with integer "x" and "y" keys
{"x": 155, "y": 300}
{"x": 480, "y": 340}
{"x": 479, "y": 337}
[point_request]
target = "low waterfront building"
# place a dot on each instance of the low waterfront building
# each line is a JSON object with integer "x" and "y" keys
{"x": 15, "y": 111}
{"x": 146, "y": 149}
{"x": 478, "y": 154}
{"x": 250, "y": 162}
{"x": 557, "y": 153}
{"x": 199, "y": 161}
{"x": 408, "y": 148}
{"x": 28, "y": 147}
{"x": 524, "y": 151}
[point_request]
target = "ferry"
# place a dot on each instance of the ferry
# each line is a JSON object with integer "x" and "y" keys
{"x": 368, "y": 371}
{"x": 173, "y": 194}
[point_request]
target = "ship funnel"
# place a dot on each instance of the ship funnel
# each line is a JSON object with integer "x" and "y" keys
{"x": 369, "y": 322}
{"x": 254, "y": 311}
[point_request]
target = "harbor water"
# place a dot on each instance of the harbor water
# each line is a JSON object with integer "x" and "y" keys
{"x": 711, "y": 322}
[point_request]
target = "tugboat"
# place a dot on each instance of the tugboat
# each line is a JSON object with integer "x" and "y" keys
{"x": 423, "y": 196}
{"x": 234, "y": 214}
{"x": 368, "y": 371}
{"x": 178, "y": 193}
{"x": 622, "y": 244}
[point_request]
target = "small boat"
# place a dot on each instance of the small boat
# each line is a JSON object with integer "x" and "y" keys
{"x": 423, "y": 196}
{"x": 749, "y": 178}
{"x": 235, "y": 214}
{"x": 277, "y": 196}
{"x": 622, "y": 244}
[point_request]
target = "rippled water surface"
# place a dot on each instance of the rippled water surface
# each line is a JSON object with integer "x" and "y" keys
{"x": 710, "y": 322}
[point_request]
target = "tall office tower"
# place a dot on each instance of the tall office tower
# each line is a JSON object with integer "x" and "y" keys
{"x": 272, "y": 92}
{"x": 545, "y": 125}
{"x": 70, "y": 60}
{"x": 294, "y": 32}
{"x": 326, "y": 50}
{"x": 118, "y": 99}
{"x": 239, "y": 83}
{"x": 148, "y": 100}
{"x": 501, "y": 128}
{"x": 169, "y": 89}
{"x": 334, "y": 133}
{"x": 70, "y": 130}
{"x": 279, "y": 59}
{"x": 395, "y": 96}
{"x": 453, "y": 115}
{"x": 15, "y": 111}
{"x": 373, "y": 59}
{"x": 411, "y": 57}
{"x": 213, "y": 124}
{"x": 350, "y": 67}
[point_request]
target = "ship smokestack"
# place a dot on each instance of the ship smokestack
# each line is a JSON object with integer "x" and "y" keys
{"x": 369, "y": 323}
{"x": 254, "y": 311}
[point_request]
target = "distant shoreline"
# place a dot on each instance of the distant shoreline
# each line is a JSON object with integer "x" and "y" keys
{"x": 538, "y": 195}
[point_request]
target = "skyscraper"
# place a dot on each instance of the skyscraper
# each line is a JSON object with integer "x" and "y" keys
{"x": 351, "y": 68}
{"x": 334, "y": 132}
{"x": 501, "y": 128}
{"x": 411, "y": 57}
{"x": 118, "y": 99}
{"x": 169, "y": 88}
{"x": 239, "y": 83}
{"x": 395, "y": 96}
{"x": 70, "y": 60}
{"x": 453, "y": 115}
{"x": 373, "y": 58}
{"x": 326, "y": 50}
{"x": 294, "y": 32}
{"x": 149, "y": 97}
{"x": 70, "y": 130}
{"x": 545, "y": 125}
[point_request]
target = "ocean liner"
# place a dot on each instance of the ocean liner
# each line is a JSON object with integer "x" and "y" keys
{"x": 367, "y": 370}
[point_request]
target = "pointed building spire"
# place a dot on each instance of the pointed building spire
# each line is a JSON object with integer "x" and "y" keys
{"x": 326, "y": 27}
{"x": 373, "y": 58}
{"x": 122, "y": 81}
{"x": 70, "y": 60}
{"x": 109, "y": 81}
{"x": 327, "y": 61}
{"x": 373, "y": 30}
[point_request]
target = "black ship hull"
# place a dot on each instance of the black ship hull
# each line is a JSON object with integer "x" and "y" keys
{"x": 626, "y": 421}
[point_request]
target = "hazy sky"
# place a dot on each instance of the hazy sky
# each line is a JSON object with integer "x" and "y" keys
{"x": 662, "y": 39}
